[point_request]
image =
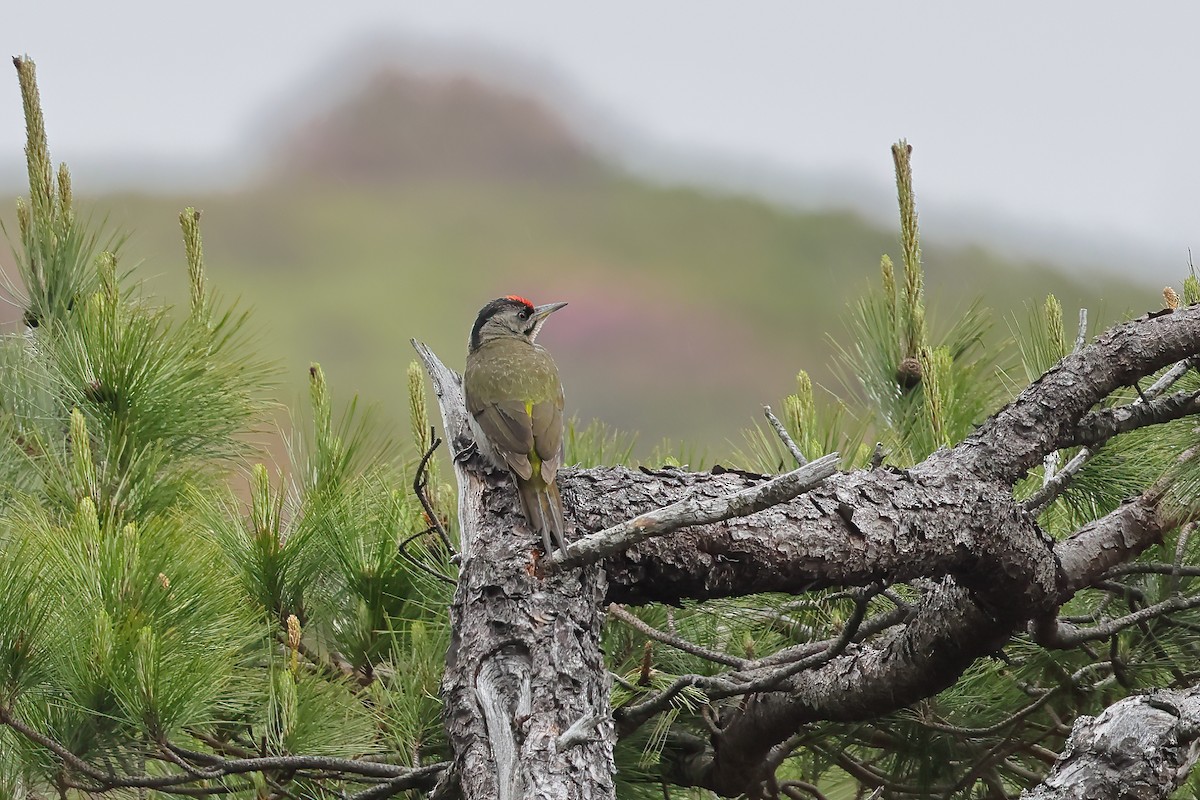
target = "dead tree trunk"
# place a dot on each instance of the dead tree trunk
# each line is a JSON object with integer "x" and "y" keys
{"x": 526, "y": 690}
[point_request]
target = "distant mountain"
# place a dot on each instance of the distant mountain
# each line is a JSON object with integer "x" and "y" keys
{"x": 402, "y": 127}
{"x": 399, "y": 108}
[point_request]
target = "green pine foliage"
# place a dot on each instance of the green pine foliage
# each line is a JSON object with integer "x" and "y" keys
{"x": 914, "y": 383}
{"x": 157, "y": 592}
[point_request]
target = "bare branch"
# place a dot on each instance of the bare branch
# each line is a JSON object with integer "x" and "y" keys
{"x": 1055, "y": 484}
{"x": 870, "y": 627}
{"x": 1063, "y": 634}
{"x": 1020, "y": 714}
{"x": 402, "y": 548}
{"x": 420, "y": 487}
{"x": 1100, "y": 426}
{"x": 838, "y": 646}
{"x": 1169, "y": 378}
{"x": 693, "y": 511}
{"x": 678, "y": 642}
{"x": 632, "y": 717}
{"x": 1153, "y": 568}
{"x": 1044, "y": 416}
{"x": 796, "y": 790}
{"x": 578, "y": 732}
{"x": 785, "y": 437}
{"x": 447, "y": 386}
{"x": 948, "y": 632}
{"x": 740, "y": 683}
{"x": 216, "y": 767}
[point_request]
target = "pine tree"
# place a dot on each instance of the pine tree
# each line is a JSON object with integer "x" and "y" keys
{"x": 154, "y": 631}
{"x": 971, "y": 546}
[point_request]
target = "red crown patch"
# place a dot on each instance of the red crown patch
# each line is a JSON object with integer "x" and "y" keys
{"x": 517, "y": 298}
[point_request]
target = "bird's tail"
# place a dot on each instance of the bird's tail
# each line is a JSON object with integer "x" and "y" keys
{"x": 542, "y": 507}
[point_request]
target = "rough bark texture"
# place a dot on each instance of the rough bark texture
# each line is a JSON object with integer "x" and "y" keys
{"x": 1140, "y": 748}
{"x": 524, "y": 662}
{"x": 855, "y": 529}
{"x": 1046, "y": 416}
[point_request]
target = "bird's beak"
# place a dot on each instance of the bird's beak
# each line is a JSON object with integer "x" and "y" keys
{"x": 541, "y": 312}
{"x": 539, "y": 317}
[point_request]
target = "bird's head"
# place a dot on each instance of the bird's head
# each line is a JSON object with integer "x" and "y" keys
{"x": 510, "y": 316}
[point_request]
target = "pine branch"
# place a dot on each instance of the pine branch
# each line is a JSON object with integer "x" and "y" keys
{"x": 678, "y": 642}
{"x": 693, "y": 511}
{"x": 214, "y": 767}
{"x": 1062, "y": 634}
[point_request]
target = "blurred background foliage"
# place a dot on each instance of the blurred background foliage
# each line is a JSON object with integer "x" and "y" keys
{"x": 399, "y": 209}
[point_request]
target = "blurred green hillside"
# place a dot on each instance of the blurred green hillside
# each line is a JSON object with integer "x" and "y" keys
{"x": 401, "y": 211}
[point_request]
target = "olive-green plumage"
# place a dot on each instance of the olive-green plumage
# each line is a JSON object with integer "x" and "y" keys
{"x": 515, "y": 398}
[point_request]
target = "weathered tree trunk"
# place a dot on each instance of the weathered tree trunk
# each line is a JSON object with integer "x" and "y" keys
{"x": 526, "y": 690}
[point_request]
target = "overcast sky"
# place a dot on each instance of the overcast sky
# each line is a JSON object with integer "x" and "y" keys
{"x": 1079, "y": 114}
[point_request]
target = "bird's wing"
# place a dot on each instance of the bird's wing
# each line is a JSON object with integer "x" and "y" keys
{"x": 509, "y": 429}
{"x": 547, "y": 427}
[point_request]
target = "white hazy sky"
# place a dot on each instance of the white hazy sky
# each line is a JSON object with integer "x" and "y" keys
{"x": 1079, "y": 114}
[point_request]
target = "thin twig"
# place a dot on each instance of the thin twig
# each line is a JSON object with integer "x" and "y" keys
{"x": 778, "y": 755}
{"x": 1099, "y": 426}
{"x": 873, "y": 776}
{"x": 677, "y": 642}
{"x": 399, "y": 784}
{"x": 1063, "y": 635}
{"x": 402, "y": 548}
{"x": 1185, "y": 534}
{"x": 215, "y": 766}
{"x": 70, "y": 759}
{"x": 1052, "y": 488}
{"x": 878, "y": 455}
{"x": 794, "y": 788}
{"x": 785, "y": 437}
{"x": 183, "y": 791}
{"x": 870, "y": 627}
{"x": 719, "y": 686}
{"x": 778, "y": 676}
{"x": 1153, "y": 568}
{"x": 1020, "y": 714}
{"x": 630, "y": 718}
{"x": 421, "y": 483}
